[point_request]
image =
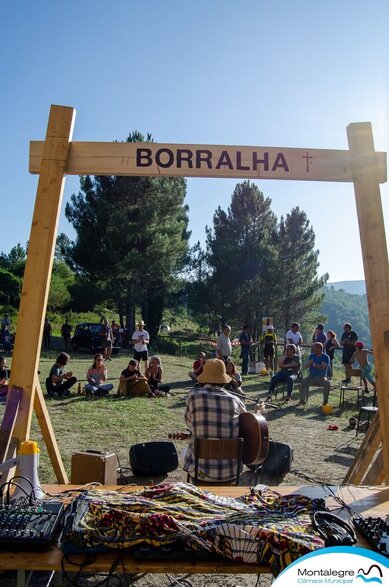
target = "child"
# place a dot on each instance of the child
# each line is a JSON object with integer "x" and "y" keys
{"x": 198, "y": 367}
{"x": 361, "y": 356}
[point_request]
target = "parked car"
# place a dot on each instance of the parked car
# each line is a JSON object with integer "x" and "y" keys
{"x": 87, "y": 336}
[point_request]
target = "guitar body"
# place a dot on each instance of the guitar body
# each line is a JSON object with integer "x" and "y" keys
{"x": 254, "y": 430}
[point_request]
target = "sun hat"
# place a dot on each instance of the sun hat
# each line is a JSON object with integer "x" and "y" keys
{"x": 359, "y": 344}
{"x": 140, "y": 323}
{"x": 214, "y": 371}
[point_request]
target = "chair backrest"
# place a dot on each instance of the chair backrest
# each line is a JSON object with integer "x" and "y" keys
{"x": 218, "y": 449}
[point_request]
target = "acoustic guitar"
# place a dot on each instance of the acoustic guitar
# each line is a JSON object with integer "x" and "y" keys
{"x": 255, "y": 433}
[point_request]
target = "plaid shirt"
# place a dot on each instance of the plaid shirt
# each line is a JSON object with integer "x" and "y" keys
{"x": 212, "y": 412}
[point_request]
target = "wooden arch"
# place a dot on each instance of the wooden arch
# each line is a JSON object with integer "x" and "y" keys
{"x": 58, "y": 156}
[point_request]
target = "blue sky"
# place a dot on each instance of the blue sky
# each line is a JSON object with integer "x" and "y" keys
{"x": 247, "y": 72}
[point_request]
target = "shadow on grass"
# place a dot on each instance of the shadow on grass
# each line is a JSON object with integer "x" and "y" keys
{"x": 343, "y": 460}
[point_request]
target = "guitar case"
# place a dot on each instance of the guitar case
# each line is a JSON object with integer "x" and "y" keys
{"x": 278, "y": 461}
{"x": 153, "y": 458}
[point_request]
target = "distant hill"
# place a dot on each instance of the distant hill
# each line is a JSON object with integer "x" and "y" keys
{"x": 352, "y": 287}
{"x": 340, "y": 307}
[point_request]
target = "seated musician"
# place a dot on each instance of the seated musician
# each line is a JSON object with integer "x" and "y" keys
{"x": 212, "y": 412}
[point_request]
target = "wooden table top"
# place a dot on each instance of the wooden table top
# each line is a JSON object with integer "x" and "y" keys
{"x": 364, "y": 500}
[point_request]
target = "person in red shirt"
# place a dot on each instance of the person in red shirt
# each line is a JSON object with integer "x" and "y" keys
{"x": 198, "y": 366}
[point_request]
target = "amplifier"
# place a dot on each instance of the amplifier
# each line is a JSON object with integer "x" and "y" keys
{"x": 92, "y": 465}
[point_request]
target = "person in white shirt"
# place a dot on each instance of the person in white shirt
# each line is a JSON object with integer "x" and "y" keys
{"x": 223, "y": 344}
{"x": 141, "y": 339}
{"x": 293, "y": 336}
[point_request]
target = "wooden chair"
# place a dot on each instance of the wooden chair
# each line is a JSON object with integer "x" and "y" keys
{"x": 217, "y": 448}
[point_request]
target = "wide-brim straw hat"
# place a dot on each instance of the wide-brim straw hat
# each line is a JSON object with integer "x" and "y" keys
{"x": 140, "y": 323}
{"x": 214, "y": 371}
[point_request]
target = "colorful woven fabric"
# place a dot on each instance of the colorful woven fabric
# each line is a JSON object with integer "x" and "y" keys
{"x": 252, "y": 529}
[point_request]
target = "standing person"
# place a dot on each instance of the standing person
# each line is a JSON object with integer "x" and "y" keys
{"x": 347, "y": 341}
{"x": 4, "y": 375}
{"x": 290, "y": 366}
{"x": 5, "y": 321}
{"x": 141, "y": 339}
{"x": 47, "y": 334}
{"x": 318, "y": 363}
{"x": 212, "y": 412}
{"x": 319, "y": 335}
{"x": 107, "y": 340}
{"x": 268, "y": 341}
{"x": 245, "y": 345}
{"x": 361, "y": 356}
{"x": 223, "y": 344}
{"x": 331, "y": 344}
{"x": 97, "y": 376}
{"x": 6, "y": 338}
{"x": 59, "y": 381}
{"x": 293, "y": 336}
{"x": 154, "y": 374}
{"x": 66, "y": 331}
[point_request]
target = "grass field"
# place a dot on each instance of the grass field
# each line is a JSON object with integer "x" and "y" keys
{"x": 115, "y": 424}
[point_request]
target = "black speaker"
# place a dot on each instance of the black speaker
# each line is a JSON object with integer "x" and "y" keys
{"x": 153, "y": 458}
{"x": 278, "y": 461}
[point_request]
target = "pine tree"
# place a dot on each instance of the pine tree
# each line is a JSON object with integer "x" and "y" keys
{"x": 299, "y": 288}
{"x": 131, "y": 239}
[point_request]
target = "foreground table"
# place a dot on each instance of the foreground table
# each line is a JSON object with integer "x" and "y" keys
{"x": 365, "y": 500}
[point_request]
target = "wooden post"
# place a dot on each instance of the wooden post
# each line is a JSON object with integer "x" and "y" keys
{"x": 48, "y": 434}
{"x": 39, "y": 264}
{"x": 375, "y": 259}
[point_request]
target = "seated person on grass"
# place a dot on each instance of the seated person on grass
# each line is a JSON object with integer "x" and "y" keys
{"x": 290, "y": 366}
{"x": 59, "y": 381}
{"x": 132, "y": 382}
{"x": 235, "y": 385}
{"x": 197, "y": 367}
{"x": 97, "y": 377}
{"x": 318, "y": 364}
{"x": 154, "y": 374}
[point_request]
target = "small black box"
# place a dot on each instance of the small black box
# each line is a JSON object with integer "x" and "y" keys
{"x": 278, "y": 461}
{"x": 153, "y": 458}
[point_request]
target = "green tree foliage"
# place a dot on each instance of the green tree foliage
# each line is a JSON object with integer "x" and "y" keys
{"x": 62, "y": 279}
{"x": 240, "y": 251}
{"x": 131, "y": 238}
{"x": 11, "y": 274}
{"x": 10, "y": 287}
{"x": 15, "y": 261}
{"x": 340, "y": 307}
{"x": 298, "y": 293}
{"x": 254, "y": 266}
